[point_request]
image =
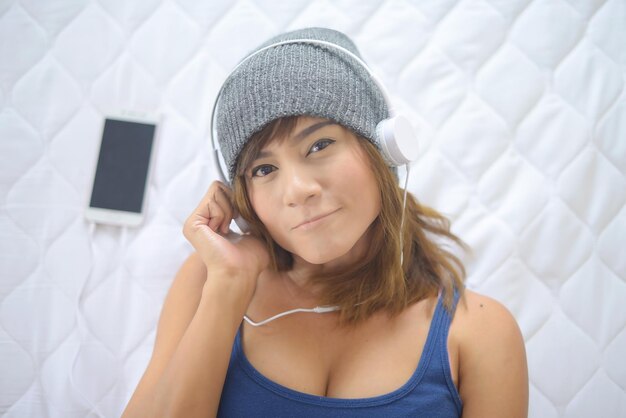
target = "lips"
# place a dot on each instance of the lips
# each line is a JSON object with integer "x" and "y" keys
{"x": 313, "y": 219}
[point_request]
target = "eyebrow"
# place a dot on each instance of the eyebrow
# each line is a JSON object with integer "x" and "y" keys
{"x": 309, "y": 130}
{"x": 300, "y": 136}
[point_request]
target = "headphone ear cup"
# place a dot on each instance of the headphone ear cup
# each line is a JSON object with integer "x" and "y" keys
{"x": 397, "y": 140}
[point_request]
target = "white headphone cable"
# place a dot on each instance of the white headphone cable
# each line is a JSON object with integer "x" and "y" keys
{"x": 406, "y": 183}
{"x": 317, "y": 309}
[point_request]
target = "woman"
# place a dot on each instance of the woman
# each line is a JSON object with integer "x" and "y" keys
{"x": 397, "y": 334}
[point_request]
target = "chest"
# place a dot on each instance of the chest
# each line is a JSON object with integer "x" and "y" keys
{"x": 312, "y": 356}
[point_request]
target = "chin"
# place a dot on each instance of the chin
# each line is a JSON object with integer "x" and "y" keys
{"x": 318, "y": 249}
{"x": 316, "y": 259}
{"x": 326, "y": 254}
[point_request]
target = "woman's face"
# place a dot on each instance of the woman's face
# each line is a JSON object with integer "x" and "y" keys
{"x": 315, "y": 191}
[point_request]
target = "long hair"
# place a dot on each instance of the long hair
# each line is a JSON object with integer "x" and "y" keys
{"x": 377, "y": 281}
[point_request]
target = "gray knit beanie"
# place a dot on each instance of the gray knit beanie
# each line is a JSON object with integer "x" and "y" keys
{"x": 297, "y": 79}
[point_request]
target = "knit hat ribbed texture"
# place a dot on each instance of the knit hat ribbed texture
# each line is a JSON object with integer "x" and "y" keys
{"x": 297, "y": 79}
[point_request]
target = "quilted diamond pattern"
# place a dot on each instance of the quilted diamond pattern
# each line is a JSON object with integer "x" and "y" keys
{"x": 125, "y": 85}
{"x": 542, "y": 131}
{"x": 434, "y": 98}
{"x": 46, "y": 97}
{"x": 612, "y": 361}
{"x": 612, "y": 254}
{"x": 21, "y": 141}
{"x": 460, "y": 139}
{"x": 520, "y": 107}
{"x": 593, "y": 188}
{"x": 597, "y": 78}
{"x": 82, "y": 41}
{"x": 31, "y": 44}
{"x": 467, "y": 44}
{"x": 20, "y": 256}
{"x": 548, "y": 357}
{"x": 599, "y": 387}
{"x": 524, "y": 82}
{"x": 608, "y": 134}
{"x": 556, "y": 40}
{"x": 510, "y": 183}
{"x": 165, "y": 41}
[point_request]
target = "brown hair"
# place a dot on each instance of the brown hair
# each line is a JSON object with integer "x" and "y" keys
{"x": 377, "y": 281}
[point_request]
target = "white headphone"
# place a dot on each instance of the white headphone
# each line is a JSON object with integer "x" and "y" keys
{"x": 395, "y": 134}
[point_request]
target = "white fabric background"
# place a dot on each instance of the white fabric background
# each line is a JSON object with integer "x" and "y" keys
{"x": 521, "y": 112}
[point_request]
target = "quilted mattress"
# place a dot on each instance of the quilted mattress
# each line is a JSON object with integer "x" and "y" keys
{"x": 520, "y": 107}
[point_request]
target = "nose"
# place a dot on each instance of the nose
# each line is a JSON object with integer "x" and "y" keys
{"x": 299, "y": 185}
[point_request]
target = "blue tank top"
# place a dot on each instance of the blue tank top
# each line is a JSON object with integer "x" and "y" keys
{"x": 430, "y": 391}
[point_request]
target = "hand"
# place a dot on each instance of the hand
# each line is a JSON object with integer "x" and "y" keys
{"x": 224, "y": 252}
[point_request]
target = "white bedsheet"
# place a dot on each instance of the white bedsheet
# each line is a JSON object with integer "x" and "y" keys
{"x": 520, "y": 107}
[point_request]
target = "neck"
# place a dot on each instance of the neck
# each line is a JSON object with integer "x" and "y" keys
{"x": 302, "y": 275}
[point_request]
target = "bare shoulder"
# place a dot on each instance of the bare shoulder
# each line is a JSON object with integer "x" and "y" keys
{"x": 480, "y": 314}
{"x": 482, "y": 324}
{"x": 493, "y": 372}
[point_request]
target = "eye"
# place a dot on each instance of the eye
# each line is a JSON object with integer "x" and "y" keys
{"x": 320, "y": 145}
{"x": 262, "y": 170}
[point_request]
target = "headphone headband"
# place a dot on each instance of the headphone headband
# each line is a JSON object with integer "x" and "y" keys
{"x": 395, "y": 134}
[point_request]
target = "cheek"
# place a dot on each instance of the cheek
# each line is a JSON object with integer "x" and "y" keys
{"x": 266, "y": 209}
{"x": 358, "y": 181}
{"x": 261, "y": 206}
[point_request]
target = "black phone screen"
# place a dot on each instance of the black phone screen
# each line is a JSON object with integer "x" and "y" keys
{"x": 123, "y": 163}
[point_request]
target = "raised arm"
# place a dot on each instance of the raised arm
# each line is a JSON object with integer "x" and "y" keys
{"x": 184, "y": 327}
{"x": 493, "y": 372}
{"x": 200, "y": 317}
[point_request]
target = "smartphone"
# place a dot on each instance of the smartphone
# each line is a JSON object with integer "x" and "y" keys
{"x": 122, "y": 172}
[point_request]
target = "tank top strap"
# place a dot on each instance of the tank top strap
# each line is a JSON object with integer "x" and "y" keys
{"x": 442, "y": 317}
{"x": 455, "y": 300}
{"x": 438, "y": 369}
{"x": 437, "y": 341}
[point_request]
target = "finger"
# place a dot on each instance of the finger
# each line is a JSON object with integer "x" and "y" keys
{"x": 225, "y": 188}
{"x": 205, "y": 216}
{"x": 223, "y": 199}
{"x": 216, "y": 215}
{"x": 229, "y": 195}
{"x": 208, "y": 195}
{"x": 224, "y": 203}
{"x": 208, "y": 211}
{"x": 202, "y": 210}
